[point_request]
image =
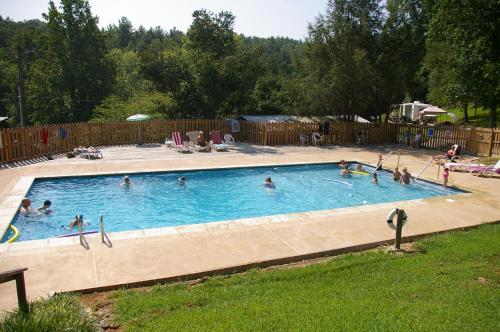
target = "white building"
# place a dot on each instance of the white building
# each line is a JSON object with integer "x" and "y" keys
{"x": 411, "y": 111}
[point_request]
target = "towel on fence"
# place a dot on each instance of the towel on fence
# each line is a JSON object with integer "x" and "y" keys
{"x": 63, "y": 133}
{"x": 45, "y": 136}
{"x": 235, "y": 126}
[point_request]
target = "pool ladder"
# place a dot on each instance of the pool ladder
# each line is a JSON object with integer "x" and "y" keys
{"x": 80, "y": 224}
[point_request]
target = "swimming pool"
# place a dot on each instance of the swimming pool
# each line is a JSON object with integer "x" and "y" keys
{"x": 156, "y": 200}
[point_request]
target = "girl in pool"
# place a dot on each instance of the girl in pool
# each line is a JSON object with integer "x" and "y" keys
{"x": 446, "y": 173}
{"x": 343, "y": 164}
{"x": 360, "y": 168}
{"x": 374, "y": 178}
{"x": 406, "y": 176}
{"x": 268, "y": 183}
{"x": 396, "y": 174}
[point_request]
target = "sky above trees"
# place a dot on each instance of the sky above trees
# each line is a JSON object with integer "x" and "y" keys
{"x": 261, "y": 18}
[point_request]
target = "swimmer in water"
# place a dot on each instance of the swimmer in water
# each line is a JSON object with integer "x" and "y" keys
{"x": 346, "y": 171}
{"x": 268, "y": 183}
{"x": 343, "y": 164}
{"x": 360, "y": 168}
{"x": 374, "y": 178}
{"x": 46, "y": 207}
{"x": 26, "y": 209}
{"x": 181, "y": 181}
{"x": 126, "y": 181}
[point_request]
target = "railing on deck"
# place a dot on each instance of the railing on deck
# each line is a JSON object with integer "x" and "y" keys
{"x": 25, "y": 143}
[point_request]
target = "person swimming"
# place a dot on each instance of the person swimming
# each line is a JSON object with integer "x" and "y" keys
{"x": 396, "y": 174}
{"x": 405, "y": 176}
{"x": 126, "y": 181}
{"x": 268, "y": 183}
{"x": 343, "y": 164}
{"x": 375, "y": 178}
{"x": 26, "y": 209}
{"x": 181, "y": 181}
{"x": 46, "y": 207}
{"x": 360, "y": 168}
{"x": 76, "y": 222}
{"x": 346, "y": 171}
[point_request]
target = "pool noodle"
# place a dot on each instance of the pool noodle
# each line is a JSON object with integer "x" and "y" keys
{"x": 360, "y": 173}
{"x": 76, "y": 234}
{"x": 347, "y": 184}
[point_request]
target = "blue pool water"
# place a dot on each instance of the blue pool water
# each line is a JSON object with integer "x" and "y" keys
{"x": 156, "y": 200}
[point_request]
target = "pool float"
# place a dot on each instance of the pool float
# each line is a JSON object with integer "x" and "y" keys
{"x": 76, "y": 234}
{"x": 347, "y": 184}
{"x": 391, "y": 216}
{"x": 16, "y": 234}
{"x": 360, "y": 173}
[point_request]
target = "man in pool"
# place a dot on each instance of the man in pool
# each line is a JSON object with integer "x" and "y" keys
{"x": 26, "y": 209}
{"x": 181, "y": 181}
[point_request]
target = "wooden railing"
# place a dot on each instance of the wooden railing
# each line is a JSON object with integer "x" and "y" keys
{"x": 26, "y": 143}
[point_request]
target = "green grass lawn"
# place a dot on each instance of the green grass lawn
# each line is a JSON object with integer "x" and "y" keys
{"x": 481, "y": 119}
{"x": 451, "y": 283}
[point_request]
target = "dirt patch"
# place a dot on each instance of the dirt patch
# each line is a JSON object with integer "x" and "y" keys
{"x": 100, "y": 306}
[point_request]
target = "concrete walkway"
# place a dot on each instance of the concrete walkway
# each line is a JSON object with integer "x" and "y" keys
{"x": 166, "y": 253}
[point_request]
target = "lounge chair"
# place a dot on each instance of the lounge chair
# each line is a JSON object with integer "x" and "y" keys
{"x": 193, "y": 141}
{"x": 179, "y": 145}
{"x": 486, "y": 170}
{"x": 90, "y": 153}
{"x": 216, "y": 141}
{"x": 229, "y": 140}
{"x": 463, "y": 166}
{"x": 317, "y": 139}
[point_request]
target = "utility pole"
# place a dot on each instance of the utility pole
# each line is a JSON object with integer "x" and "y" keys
{"x": 20, "y": 87}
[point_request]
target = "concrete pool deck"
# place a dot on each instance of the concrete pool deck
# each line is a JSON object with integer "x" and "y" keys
{"x": 56, "y": 265}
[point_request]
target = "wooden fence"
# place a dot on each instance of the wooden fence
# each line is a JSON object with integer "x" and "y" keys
{"x": 25, "y": 143}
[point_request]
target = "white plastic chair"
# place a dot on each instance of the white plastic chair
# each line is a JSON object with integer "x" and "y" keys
{"x": 316, "y": 138}
{"x": 229, "y": 140}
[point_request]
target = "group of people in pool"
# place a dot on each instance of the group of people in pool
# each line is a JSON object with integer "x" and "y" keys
{"x": 403, "y": 177}
{"x": 27, "y": 210}
{"x": 268, "y": 183}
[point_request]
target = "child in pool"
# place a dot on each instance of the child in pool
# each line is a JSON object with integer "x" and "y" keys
{"x": 396, "y": 174}
{"x": 46, "y": 207}
{"x": 360, "y": 168}
{"x": 76, "y": 222}
{"x": 446, "y": 174}
{"x": 343, "y": 164}
{"x": 346, "y": 171}
{"x": 374, "y": 178}
{"x": 268, "y": 183}
{"x": 405, "y": 177}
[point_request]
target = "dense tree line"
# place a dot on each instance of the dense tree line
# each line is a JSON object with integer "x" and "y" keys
{"x": 360, "y": 58}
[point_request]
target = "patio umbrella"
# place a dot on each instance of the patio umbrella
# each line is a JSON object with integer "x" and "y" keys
{"x": 137, "y": 118}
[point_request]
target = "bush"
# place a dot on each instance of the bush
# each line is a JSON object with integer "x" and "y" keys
{"x": 62, "y": 312}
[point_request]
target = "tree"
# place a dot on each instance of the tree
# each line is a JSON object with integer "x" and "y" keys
{"x": 462, "y": 54}
{"x": 76, "y": 49}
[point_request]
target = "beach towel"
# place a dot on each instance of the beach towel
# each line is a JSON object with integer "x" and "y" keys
{"x": 45, "y": 136}
{"x": 63, "y": 133}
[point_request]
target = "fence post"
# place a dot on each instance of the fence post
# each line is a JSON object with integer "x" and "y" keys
{"x": 399, "y": 229}
{"x": 492, "y": 141}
